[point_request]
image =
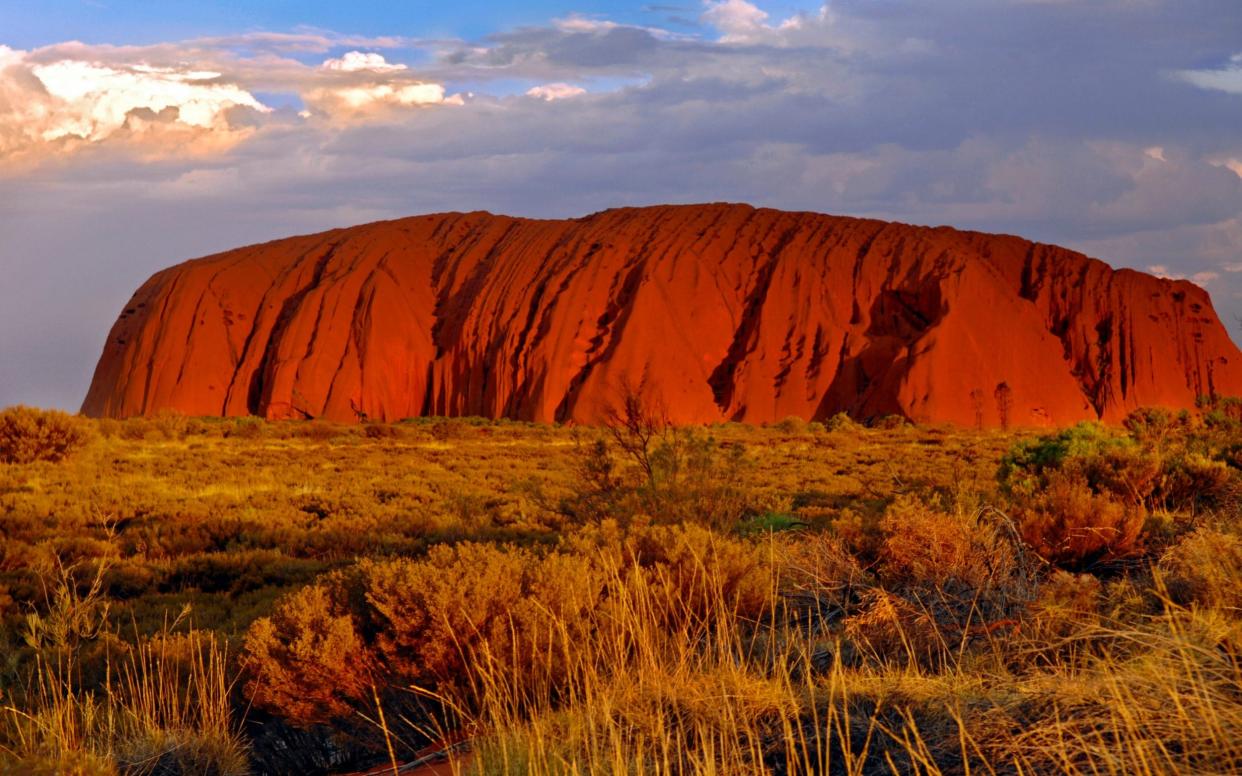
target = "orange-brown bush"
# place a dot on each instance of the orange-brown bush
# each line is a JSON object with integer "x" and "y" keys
{"x": 890, "y": 629}
{"x": 379, "y": 431}
{"x": 700, "y": 569}
{"x": 28, "y": 435}
{"x": 307, "y": 660}
{"x": 819, "y": 576}
{"x": 1066, "y": 603}
{"x": 470, "y": 604}
{"x": 435, "y": 623}
{"x": 925, "y": 547}
{"x": 943, "y": 578}
{"x": 426, "y": 623}
{"x": 1072, "y": 526}
{"x": 1205, "y": 569}
{"x": 172, "y": 425}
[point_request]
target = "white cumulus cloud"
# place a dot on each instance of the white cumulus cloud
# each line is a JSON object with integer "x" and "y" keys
{"x": 740, "y": 21}
{"x": 367, "y": 96}
{"x": 83, "y": 101}
{"x": 92, "y": 101}
{"x": 556, "y": 91}
{"x": 737, "y": 19}
{"x": 363, "y": 84}
{"x": 10, "y": 56}
{"x": 355, "y": 61}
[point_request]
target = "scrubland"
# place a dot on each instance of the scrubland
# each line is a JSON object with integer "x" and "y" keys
{"x": 183, "y": 595}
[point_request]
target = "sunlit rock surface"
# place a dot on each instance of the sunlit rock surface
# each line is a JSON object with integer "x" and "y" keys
{"x": 720, "y": 312}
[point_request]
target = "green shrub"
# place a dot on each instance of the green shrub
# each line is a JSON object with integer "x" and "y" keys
{"x": 1108, "y": 463}
{"x": 1194, "y": 481}
{"x": 1225, "y": 410}
{"x": 769, "y": 522}
{"x": 1155, "y": 424}
{"x": 697, "y": 479}
{"x": 28, "y": 435}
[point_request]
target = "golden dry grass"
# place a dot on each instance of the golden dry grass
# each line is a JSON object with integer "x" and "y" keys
{"x": 794, "y": 599}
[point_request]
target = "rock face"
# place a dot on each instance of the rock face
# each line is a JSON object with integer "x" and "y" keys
{"x": 720, "y": 312}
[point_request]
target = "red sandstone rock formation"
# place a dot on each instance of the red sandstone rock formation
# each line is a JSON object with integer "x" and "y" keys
{"x": 726, "y": 312}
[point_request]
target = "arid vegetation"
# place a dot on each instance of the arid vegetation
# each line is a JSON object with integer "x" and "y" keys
{"x": 28, "y": 435}
{"x": 185, "y": 595}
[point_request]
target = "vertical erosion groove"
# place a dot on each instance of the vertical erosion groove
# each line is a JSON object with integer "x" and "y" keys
{"x": 795, "y": 313}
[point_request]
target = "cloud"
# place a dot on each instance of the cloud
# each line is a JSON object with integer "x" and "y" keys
{"x": 953, "y": 112}
{"x": 301, "y": 41}
{"x": 362, "y": 99}
{"x": 1201, "y": 279}
{"x": 557, "y": 91}
{"x": 1225, "y": 79}
{"x": 737, "y": 19}
{"x": 90, "y": 102}
{"x": 9, "y": 57}
{"x": 355, "y": 61}
{"x": 1234, "y": 165}
{"x": 582, "y": 24}
{"x": 168, "y": 99}
{"x": 65, "y": 102}
{"x": 576, "y": 24}
{"x": 740, "y": 21}
{"x": 386, "y": 86}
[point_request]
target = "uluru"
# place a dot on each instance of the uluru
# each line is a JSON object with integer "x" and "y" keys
{"x": 725, "y": 312}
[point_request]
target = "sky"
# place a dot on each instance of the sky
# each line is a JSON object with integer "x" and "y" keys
{"x": 135, "y": 134}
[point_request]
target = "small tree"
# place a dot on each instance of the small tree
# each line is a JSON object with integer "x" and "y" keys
{"x": 976, "y": 402}
{"x": 686, "y": 475}
{"x": 638, "y": 425}
{"x": 601, "y": 485}
{"x": 1004, "y": 402}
